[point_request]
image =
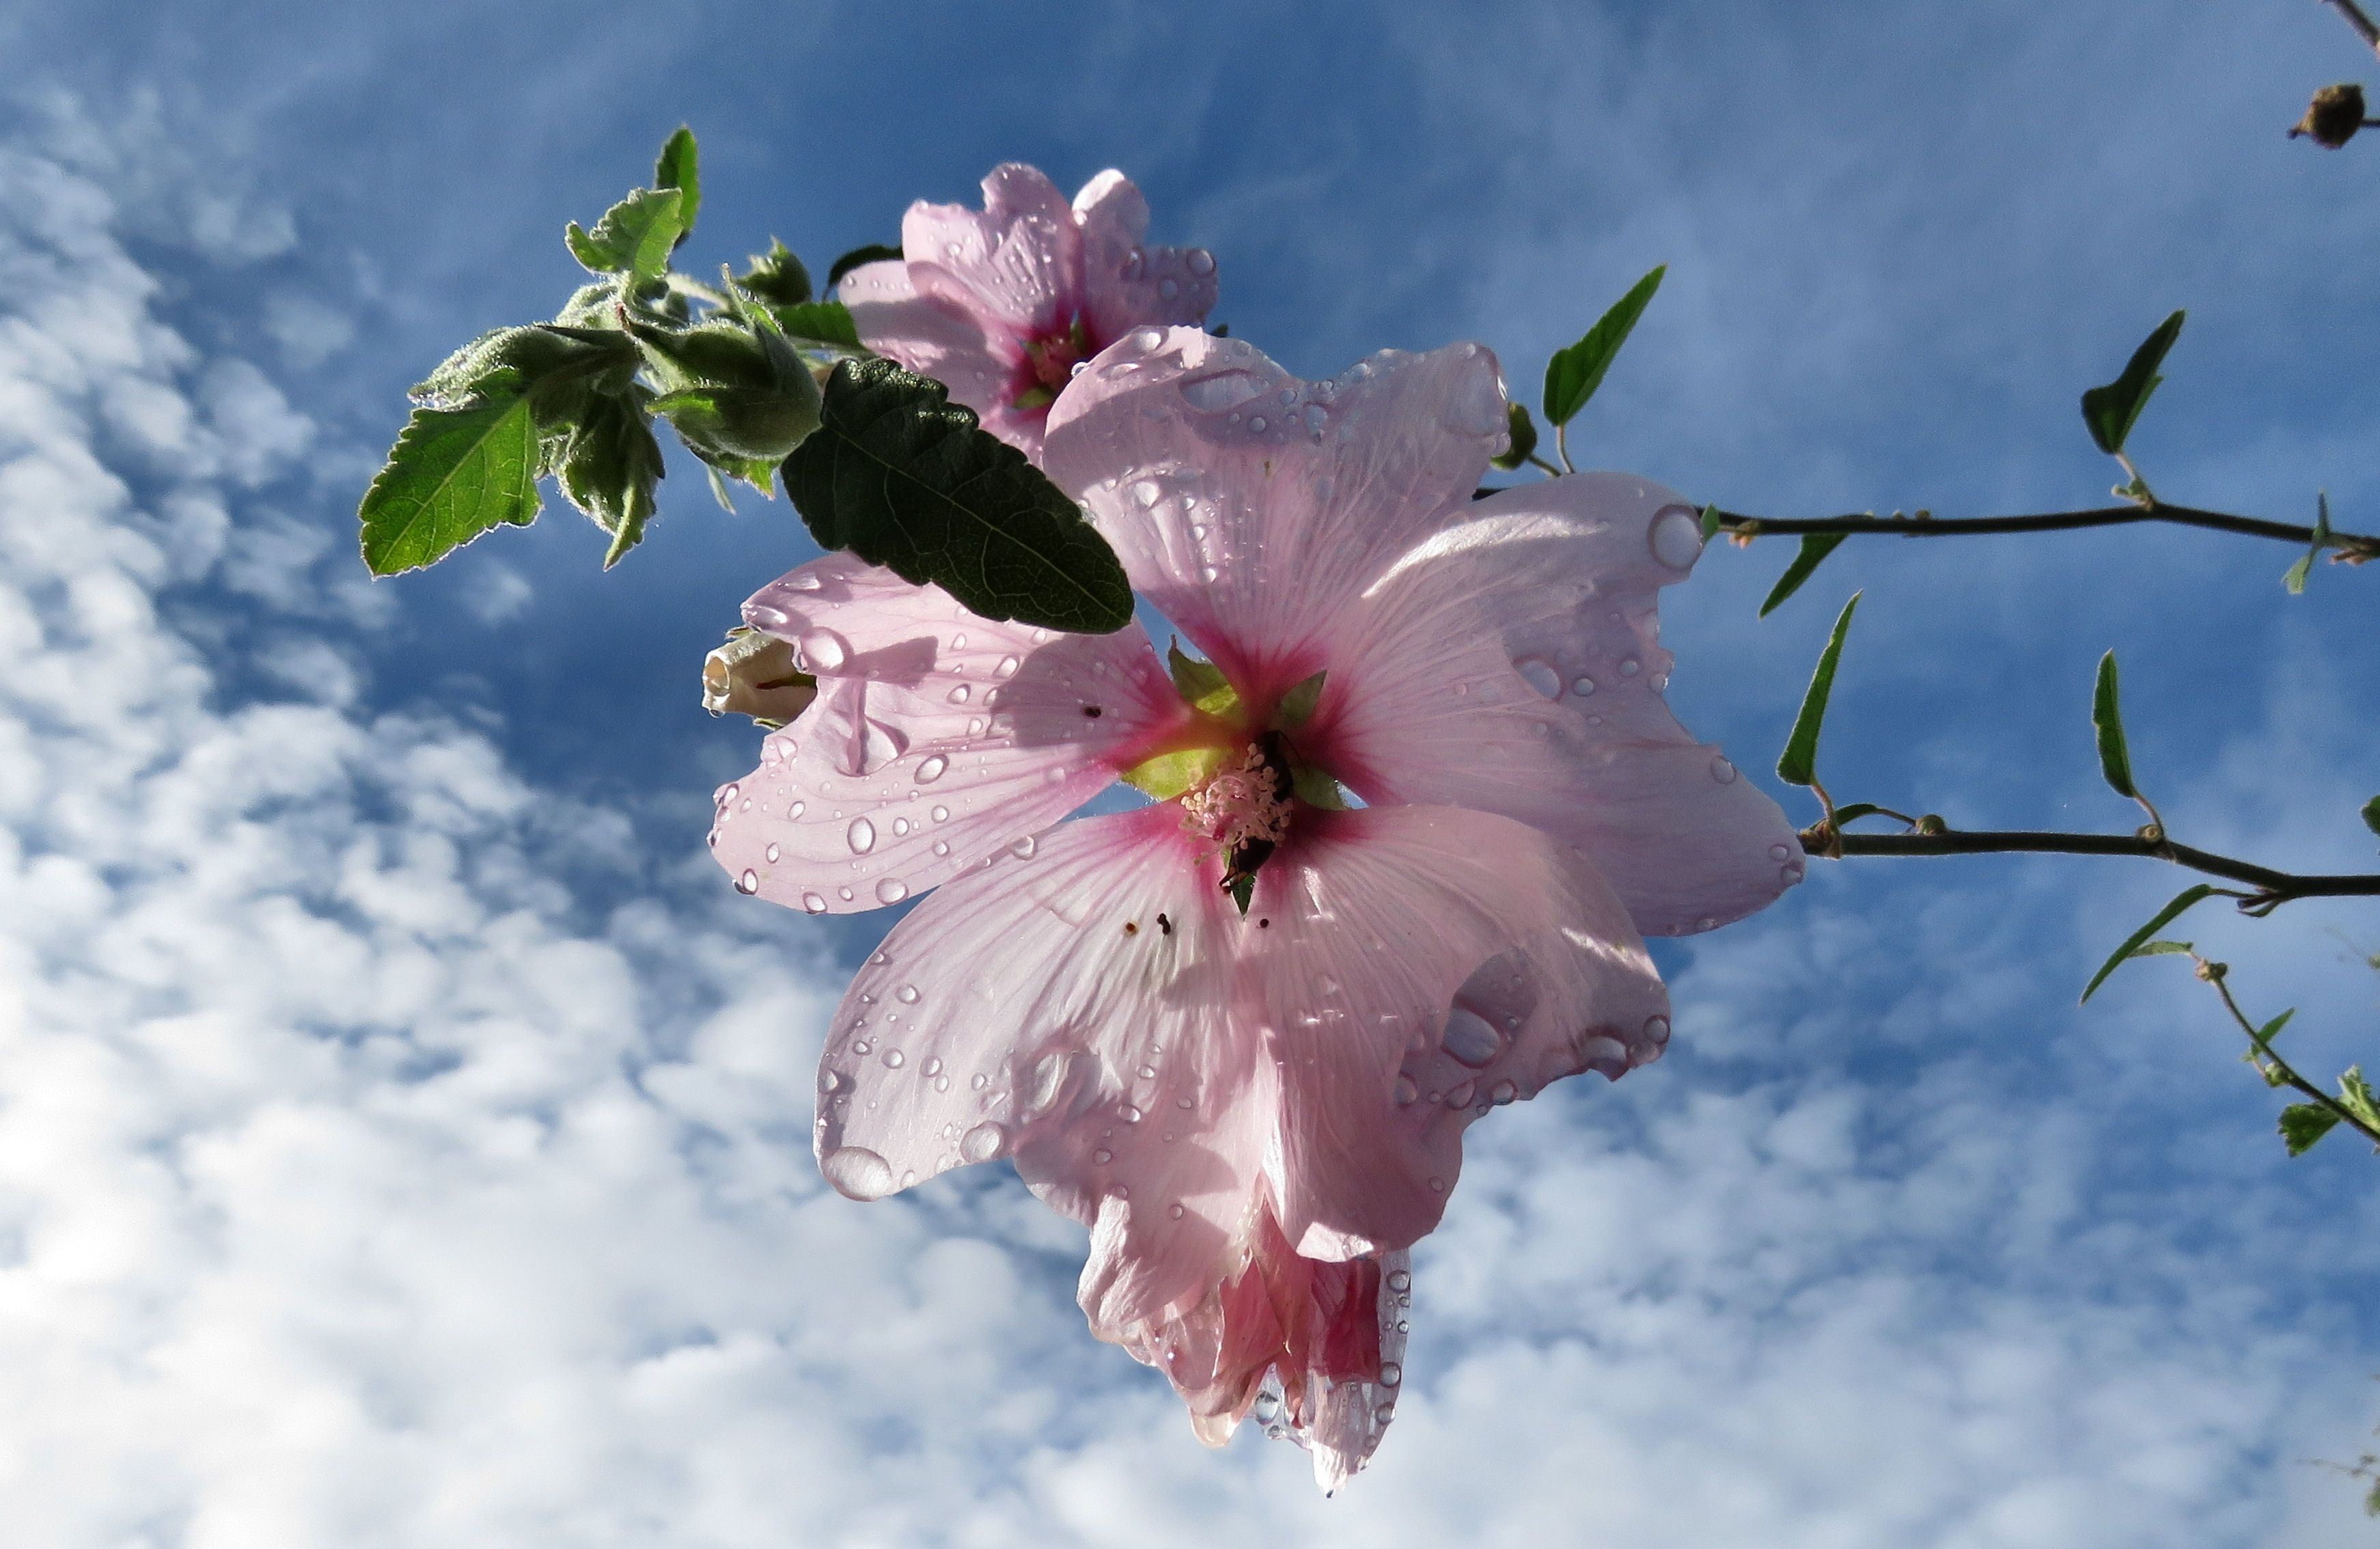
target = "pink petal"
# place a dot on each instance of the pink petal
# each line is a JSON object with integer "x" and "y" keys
{"x": 930, "y": 335}
{"x": 1017, "y": 266}
{"x": 939, "y": 739}
{"x": 1373, "y": 923}
{"x": 1013, "y": 1013}
{"x": 1250, "y": 507}
{"x": 1512, "y": 663}
{"x": 1127, "y": 283}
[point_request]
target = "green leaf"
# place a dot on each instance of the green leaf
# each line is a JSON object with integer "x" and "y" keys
{"x": 903, "y": 477}
{"x": 1316, "y": 788}
{"x": 2271, "y": 1029}
{"x": 1201, "y": 685}
{"x": 2110, "y": 411}
{"x": 777, "y": 276}
{"x": 875, "y": 252}
{"x": 2295, "y": 576}
{"x": 823, "y": 322}
{"x": 2162, "y": 949}
{"x": 609, "y": 468}
{"x": 1815, "y": 548}
{"x": 2355, "y": 1094}
{"x": 1853, "y": 812}
{"x": 1298, "y": 705}
{"x": 2108, "y": 720}
{"x": 1242, "y": 889}
{"x": 635, "y": 236}
{"x": 1710, "y": 523}
{"x": 1798, "y": 764}
{"x": 2132, "y": 942}
{"x": 1524, "y": 432}
{"x": 1169, "y": 775}
{"x": 2304, "y": 1123}
{"x": 1573, "y": 375}
{"x": 677, "y": 168}
{"x": 453, "y": 474}
{"x": 2372, "y": 814}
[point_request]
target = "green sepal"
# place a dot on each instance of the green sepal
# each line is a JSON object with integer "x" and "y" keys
{"x": 1524, "y": 432}
{"x": 1316, "y": 789}
{"x": 735, "y": 392}
{"x": 679, "y": 167}
{"x": 1798, "y": 764}
{"x": 1242, "y": 889}
{"x": 594, "y": 305}
{"x": 634, "y": 238}
{"x": 2372, "y": 814}
{"x": 1573, "y": 375}
{"x": 875, "y": 252}
{"x": 609, "y": 466}
{"x": 2302, "y": 1124}
{"x": 820, "y": 323}
{"x": 453, "y": 474}
{"x": 1201, "y": 685}
{"x": 1710, "y": 522}
{"x": 2107, "y": 724}
{"x": 2355, "y": 1094}
{"x": 2111, "y": 410}
{"x": 2133, "y": 944}
{"x": 777, "y": 276}
{"x": 1298, "y": 705}
{"x": 1815, "y": 548}
{"x": 1170, "y": 774}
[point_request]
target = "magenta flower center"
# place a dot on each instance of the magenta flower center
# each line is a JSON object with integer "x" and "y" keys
{"x": 1050, "y": 362}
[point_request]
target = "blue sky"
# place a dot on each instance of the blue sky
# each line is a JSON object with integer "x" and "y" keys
{"x": 402, "y": 1138}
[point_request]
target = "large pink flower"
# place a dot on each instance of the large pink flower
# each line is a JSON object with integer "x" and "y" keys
{"x": 1256, "y": 1114}
{"x": 1002, "y": 306}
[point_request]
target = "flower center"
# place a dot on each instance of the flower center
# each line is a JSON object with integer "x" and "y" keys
{"x": 1049, "y": 363}
{"x": 1243, "y": 810}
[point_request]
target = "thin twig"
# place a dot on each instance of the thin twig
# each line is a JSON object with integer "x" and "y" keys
{"x": 2364, "y": 25}
{"x": 2273, "y": 888}
{"x": 2353, "y": 548}
{"x": 1562, "y": 445}
{"x": 2279, "y": 1072}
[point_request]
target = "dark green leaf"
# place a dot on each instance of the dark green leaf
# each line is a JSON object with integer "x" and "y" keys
{"x": 609, "y": 468}
{"x": 777, "y": 276}
{"x": 453, "y": 474}
{"x": 2110, "y": 410}
{"x": 1815, "y": 548}
{"x": 2108, "y": 720}
{"x": 1242, "y": 889}
{"x": 824, "y": 322}
{"x": 1523, "y": 437}
{"x": 1710, "y": 523}
{"x": 2271, "y": 1029}
{"x": 875, "y": 252}
{"x": 1798, "y": 765}
{"x": 678, "y": 168}
{"x": 1573, "y": 375}
{"x": 635, "y": 236}
{"x": 903, "y": 477}
{"x": 2304, "y": 1123}
{"x": 2132, "y": 942}
{"x": 1853, "y": 812}
{"x": 2372, "y": 814}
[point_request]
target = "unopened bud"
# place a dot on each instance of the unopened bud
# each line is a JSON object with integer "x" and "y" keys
{"x": 2335, "y": 115}
{"x": 754, "y": 675}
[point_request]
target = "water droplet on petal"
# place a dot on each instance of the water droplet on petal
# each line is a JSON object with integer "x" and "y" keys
{"x": 813, "y": 902}
{"x": 983, "y": 1143}
{"x": 748, "y": 883}
{"x": 907, "y": 995}
{"x": 894, "y": 1059}
{"x": 1789, "y": 873}
{"x": 931, "y": 770}
{"x": 861, "y": 835}
{"x": 1722, "y": 771}
{"x": 1023, "y": 848}
{"x": 825, "y": 650}
{"x": 961, "y": 694}
{"x": 1406, "y": 1092}
{"x": 1469, "y": 1039}
{"x": 1502, "y": 1092}
{"x": 1540, "y": 676}
{"x": 1147, "y": 339}
{"x": 1676, "y": 537}
{"x": 891, "y": 891}
{"x": 1145, "y": 492}
{"x": 1007, "y": 666}
{"x": 1175, "y": 1212}
{"x": 1167, "y": 289}
{"x": 1781, "y": 852}
{"x": 770, "y": 854}
{"x": 1657, "y": 1028}
{"x": 1257, "y": 424}
{"x": 1198, "y": 261}
{"x": 1391, "y": 1373}
{"x": 1630, "y": 667}
{"x": 1220, "y": 391}
{"x": 858, "y": 1172}
{"x": 1581, "y": 687}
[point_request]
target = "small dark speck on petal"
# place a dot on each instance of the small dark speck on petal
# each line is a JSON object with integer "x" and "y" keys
{"x": 1131, "y": 928}
{"x": 1164, "y": 924}
{"x": 1093, "y": 710}
{"x": 1264, "y": 925}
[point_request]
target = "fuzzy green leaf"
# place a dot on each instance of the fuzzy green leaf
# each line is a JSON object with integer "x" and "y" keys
{"x": 679, "y": 168}
{"x": 1798, "y": 765}
{"x": 453, "y": 474}
{"x": 903, "y": 477}
{"x": 2133, "y": 942}
{"x": 635, "y": 236}
{"x": 2304, "y": 1123}
{"x": 2110, "y": 411}
{"x": 1815, "y": 548}
{"x": 609, "y": 469}
{"x": 2355, "y": 1094}
{"x": 875, "y": 252}
{"x": 1573, "y": 375}
{"x": 2107, "y": 722}
{"x": 777, "y": 276}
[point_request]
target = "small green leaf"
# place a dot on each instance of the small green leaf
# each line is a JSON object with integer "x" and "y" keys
{"x": 1242, "y": 889}
{"x": 2372, "y": 814}
{"x": 1853, "y": 812}
{"x": 1798, "y": 765}
{"x": 1169, "y": 775}
{"x": 609, "y": 468}
{"x": 875, "y": 252}
{"x": 2355, "y": 1094}
{"x": 2271, "y": 1029}
{"x": 1524, "y": 432}
{"x": 1815, "y": 548}
{"x": 2304, "y": 1123}
{"x": 1573, "y": 375}
{"x": 2132, "y": 942}
{"x": 777, "y": 276}
{"x": 678, "y": 168}
{"x": 1201, "y": 685}
{"x": 2295, "y": 576}
{"x": 821, "y": 321}
{"x": 903, "y": 477}
{"x": 1298, "y": 705}
{"x": 2108, "y": 720}
{"x": 635, "y": 236}
{"x": 453, "y": 474}
{"x": 1710, "y": 523}
{"x": 2162, "y": 949}
{"x": 2110, "y": 411}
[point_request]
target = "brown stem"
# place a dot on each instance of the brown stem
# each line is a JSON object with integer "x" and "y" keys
{"x": 2364, "y": 25}
{"x": 2353, "y": 547}
{"x": 2272, "y": 888}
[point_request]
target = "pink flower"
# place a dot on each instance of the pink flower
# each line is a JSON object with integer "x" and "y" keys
{"x": 1256, "y": 1114}
{"x": 1002, "y": 306}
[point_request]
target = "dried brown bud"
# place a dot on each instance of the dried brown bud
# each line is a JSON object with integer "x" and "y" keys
{"x": 1931, "y": 822}
{"x": 754, "y": 675}
{"x": 2334, "y": 116}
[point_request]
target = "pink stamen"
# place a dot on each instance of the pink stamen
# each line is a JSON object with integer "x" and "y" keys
{"x": 1238, "y": 805}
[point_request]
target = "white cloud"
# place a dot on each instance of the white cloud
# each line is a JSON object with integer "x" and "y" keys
{"x": 371, "y": 1175}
